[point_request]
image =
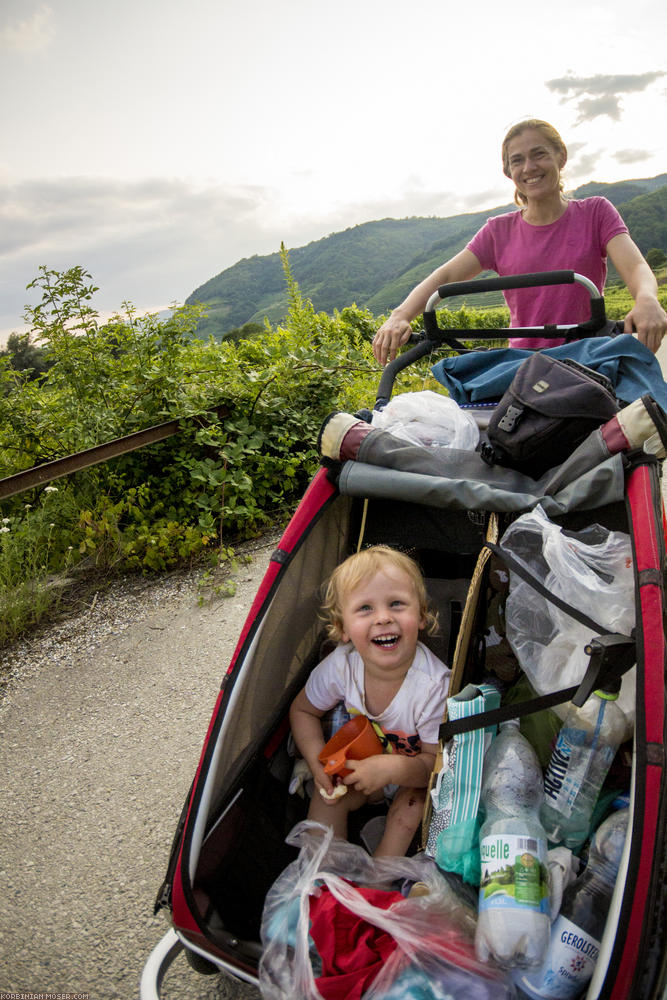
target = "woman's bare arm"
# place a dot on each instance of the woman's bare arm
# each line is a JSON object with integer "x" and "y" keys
{"x": 647, "y": 316}
{"x": 396, "y": 330}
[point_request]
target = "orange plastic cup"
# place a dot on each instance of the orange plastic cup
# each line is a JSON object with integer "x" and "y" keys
{"x": 353, "y": 741}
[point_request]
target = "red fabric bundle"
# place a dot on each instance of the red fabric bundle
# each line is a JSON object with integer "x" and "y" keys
{"x": 352, "y": 950}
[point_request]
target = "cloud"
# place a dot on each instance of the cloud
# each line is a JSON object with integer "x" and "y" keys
{"x": 633, "y": 155}
{"x": 30, "y": 35}
{"x": 153, "y": 242}
{"x": 595, "y": 107}
{"x": 605, "y": 83}
{"x": 150, "y": 242}
{"x": 583, "y": 166}
{"x": 492, "y": 197}
{"x": 600, "y": 95}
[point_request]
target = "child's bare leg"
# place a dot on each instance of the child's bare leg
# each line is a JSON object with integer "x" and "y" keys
{"x": 403, "y": 820}
{"x": 335, "y": 814}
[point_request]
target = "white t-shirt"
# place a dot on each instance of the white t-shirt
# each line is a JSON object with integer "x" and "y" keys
{"x": 414, "y": 715}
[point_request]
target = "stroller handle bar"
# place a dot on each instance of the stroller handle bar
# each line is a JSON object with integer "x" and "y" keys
{"x": 434, "y": 336}
{"x": 511, "y": 281}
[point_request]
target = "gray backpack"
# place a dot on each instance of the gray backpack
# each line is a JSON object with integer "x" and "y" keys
{"x": 549, "y": 408}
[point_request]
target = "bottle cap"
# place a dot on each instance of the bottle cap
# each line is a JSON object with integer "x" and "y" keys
{"x": 609, "y": 688}
{"x": 607, "y": 695}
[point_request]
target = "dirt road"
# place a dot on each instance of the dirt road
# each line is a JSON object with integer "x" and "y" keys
{"x": 100, "y": 734}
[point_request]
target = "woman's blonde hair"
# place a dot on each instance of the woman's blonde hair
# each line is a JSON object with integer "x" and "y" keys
{"x": 358, "y": 567}
{"x": 550, "y": 136}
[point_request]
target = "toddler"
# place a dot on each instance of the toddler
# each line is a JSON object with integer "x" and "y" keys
{"x": 376, "y": 605}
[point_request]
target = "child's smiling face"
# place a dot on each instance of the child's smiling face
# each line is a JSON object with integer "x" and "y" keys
{"x": 382, "y": 618}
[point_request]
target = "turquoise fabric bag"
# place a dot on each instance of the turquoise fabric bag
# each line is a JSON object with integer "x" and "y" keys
{"x": 454, "y": 828}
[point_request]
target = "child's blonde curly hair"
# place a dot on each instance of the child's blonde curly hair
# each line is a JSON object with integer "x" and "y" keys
{"x": 358, "y": 567}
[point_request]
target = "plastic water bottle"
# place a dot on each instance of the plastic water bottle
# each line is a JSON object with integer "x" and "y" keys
{"x": 577, "y": 930}
{"x": 584, "y": 751}
{"x": 513, "y": 922}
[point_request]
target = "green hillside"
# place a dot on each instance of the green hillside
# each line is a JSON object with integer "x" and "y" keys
{"x": 375, "y": 264}
{"x": 646, "y": 218}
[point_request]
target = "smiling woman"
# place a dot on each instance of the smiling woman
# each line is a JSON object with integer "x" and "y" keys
{"x": 533, "y": 158}
{"x": 547, "y": 233}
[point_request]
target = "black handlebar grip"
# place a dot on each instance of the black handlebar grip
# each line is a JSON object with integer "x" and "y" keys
{"x": 509, "y": 281}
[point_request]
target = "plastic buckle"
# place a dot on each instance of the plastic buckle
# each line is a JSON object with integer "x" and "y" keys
{"x": 510, "y": 418}
{"x": 489, "y": 454}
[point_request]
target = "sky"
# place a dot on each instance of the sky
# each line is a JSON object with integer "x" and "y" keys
{"x": 157, "y": 142}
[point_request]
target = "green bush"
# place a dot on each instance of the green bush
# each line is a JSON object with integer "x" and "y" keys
{"x": 250, "y": 410}
{"x": 222, "y": 478}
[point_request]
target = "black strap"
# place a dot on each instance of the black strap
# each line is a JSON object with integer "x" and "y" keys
{"x": 456, "y": 345}
{"x": 611, "y": 655}
{"x": 495, "y": 716}
{"x": 537, "y": 585}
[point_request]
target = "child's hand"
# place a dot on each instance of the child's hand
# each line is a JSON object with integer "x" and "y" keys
{"x": 369, "y": 775}
{"x": 324, "y": 786}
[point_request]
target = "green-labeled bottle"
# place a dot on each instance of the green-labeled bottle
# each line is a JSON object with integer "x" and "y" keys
{"x": 513, "y": 922}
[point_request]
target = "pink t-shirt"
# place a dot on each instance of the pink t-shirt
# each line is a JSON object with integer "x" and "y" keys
{"x": 575, "y": 242}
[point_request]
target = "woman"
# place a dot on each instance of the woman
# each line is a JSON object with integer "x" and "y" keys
{"x": 548, "y": 233}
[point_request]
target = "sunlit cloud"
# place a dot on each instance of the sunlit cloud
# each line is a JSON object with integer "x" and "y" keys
{"x": 601, "y": 95}
{"x": 148, "y": 242}
{"x": 632, "y": 155}
{"x": 582, "y": 166}
{"x": 31, "y": 34}
{"x": 156, "y": 240}
{"x": 595, "y": 107}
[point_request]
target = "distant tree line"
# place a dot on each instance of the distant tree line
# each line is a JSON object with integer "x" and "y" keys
{"x": 23, "y": 355}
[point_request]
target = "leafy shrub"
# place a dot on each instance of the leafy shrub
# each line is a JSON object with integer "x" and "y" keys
{"x": 250, "y": 412}
{"x": 35, "y": 543}
{"x": 249, "y": 408}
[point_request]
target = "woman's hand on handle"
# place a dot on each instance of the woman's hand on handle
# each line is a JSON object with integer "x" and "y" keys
{"x": 649, "y": 320}
{"x": 393, "y": 333}
{"x": 647, "y": 317}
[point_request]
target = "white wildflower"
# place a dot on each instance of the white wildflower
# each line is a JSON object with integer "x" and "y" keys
{"x": 3, "y": 529}
{"x": 50, "y": 489}
{"x": 6, "y": 520}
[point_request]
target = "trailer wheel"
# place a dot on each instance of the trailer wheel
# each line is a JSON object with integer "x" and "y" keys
{"x": 200, "y": 964}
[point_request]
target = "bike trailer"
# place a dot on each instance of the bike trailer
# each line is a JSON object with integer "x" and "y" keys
{"x": 441, "y": 505}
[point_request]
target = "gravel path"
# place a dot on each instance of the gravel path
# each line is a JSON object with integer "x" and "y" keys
{"x": 101, "y": 729}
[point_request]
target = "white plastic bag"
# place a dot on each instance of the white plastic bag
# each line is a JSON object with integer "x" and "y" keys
{"x": 591, "y": 570}
{"x": 433, "y": 932}
{"x": 428, "y": 419}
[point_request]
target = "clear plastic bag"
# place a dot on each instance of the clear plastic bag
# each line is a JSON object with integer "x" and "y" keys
{"x": 428, "y": 419}
{"x": 434, "y": 955}
{"x": 591, "y": 570}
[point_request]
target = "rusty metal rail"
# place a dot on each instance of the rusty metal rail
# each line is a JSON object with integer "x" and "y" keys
{"x": 38, "y": 475}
